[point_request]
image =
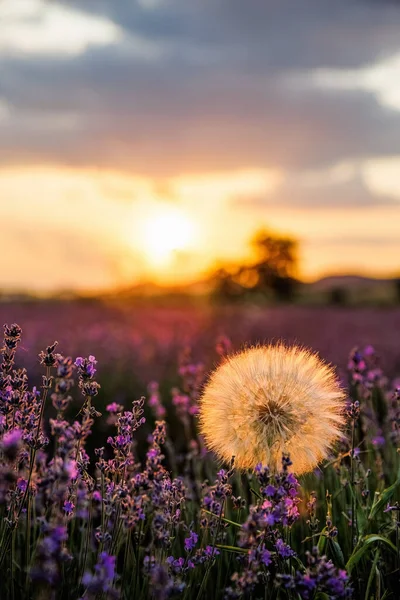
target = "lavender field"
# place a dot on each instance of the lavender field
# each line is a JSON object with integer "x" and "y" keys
{"x": 145, "y": 341}
{"x": 109, "y": 488}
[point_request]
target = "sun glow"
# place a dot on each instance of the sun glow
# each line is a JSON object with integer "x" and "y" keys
{"x": 165, "y": 234}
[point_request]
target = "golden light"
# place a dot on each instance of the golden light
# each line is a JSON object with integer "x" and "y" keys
{"x": 165, "y": 233}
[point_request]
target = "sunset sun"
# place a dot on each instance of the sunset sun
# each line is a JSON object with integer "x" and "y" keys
{"x": 165, "y": 233}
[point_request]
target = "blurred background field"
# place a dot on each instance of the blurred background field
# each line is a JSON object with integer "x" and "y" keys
{"x": 139, "y": 341}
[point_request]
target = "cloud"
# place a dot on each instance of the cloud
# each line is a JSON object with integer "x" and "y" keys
{"x": 381, "y": 79}
{"x": 257, "y": 35}
{"x": 37, "y": 27}
{"x": 294, "y": 192}
{"x": 199, "y": 86}
{"x": 153, "y": 124}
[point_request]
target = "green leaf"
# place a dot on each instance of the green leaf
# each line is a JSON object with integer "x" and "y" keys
{"x": 321, "y": 596}
{"x": 372, "y": 574}
{"x": 322, "y": 542}
{"x": 361, "y": 519}
{"x": 384, "y": 498}
{"x": 336, "y": 552}
{"x": 367, "y": 542}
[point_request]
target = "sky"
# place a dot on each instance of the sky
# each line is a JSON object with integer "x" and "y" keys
{"x": 149, "y": 139}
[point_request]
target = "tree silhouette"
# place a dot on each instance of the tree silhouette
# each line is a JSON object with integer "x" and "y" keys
{"x": 276, "y": 264}
{"x": 273, "y": 271}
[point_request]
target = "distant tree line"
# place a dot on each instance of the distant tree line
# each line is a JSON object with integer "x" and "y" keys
{"x": 271, "y": 275}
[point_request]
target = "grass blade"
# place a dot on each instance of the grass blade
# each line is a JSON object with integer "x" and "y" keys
{"x": 367, "y": 542}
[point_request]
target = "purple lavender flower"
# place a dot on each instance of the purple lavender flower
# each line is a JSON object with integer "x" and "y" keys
{"x": 378, "y": 441}
{"x": 284, "y": 550}
{"x": 191, "y": 541}
{"x": 394, "y": 507}
{"x": 270, "y": 490}
{"x": 22, "y": 484}
{"x": 68, "y": 507}
{"x": 114, "y": 408}
{"x": 48, "y": 357}
{"x": 11, "y": 444}
{"x": 86, "y": 368}
{"x": 155, "y": 400}
{"x": 101, "y": 581}
{"x": 216, "y": 495}
{"x": 223, "y": 345}
{"x": 321, "y": 575}
{"x": 51, "y": 554}
{"x": 162, "y": 585}
{"x": 86, "y": 372}
{"x": 176, "y": 565}
{"x": 13, "y": 331}
{"x": 266, "y": 557}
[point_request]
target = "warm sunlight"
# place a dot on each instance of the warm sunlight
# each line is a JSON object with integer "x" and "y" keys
{"x": 112, "y": 229}
{"x": 165, "y": 233}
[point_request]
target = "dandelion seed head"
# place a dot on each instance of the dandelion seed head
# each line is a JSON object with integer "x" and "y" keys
{"x": 267, "y": 400}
